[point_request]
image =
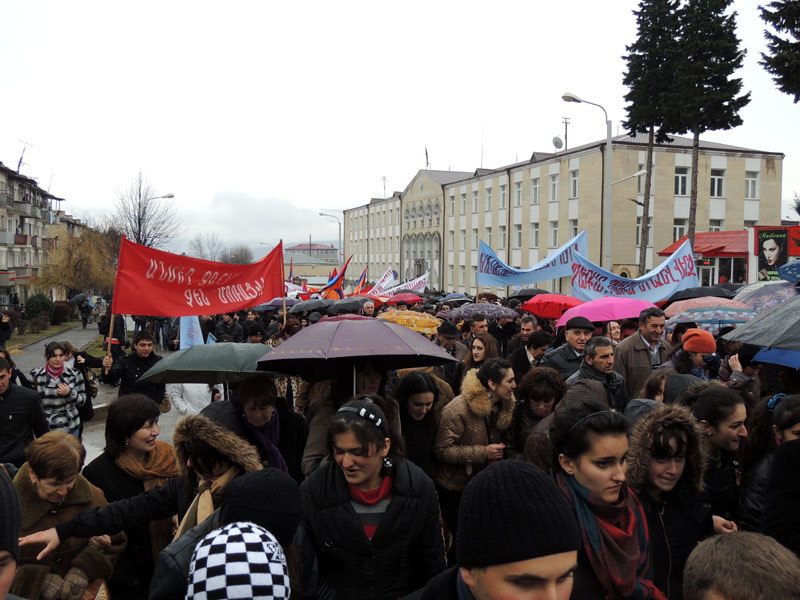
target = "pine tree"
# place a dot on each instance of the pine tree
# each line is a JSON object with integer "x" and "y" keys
{"x": 782, "y": 60}
{"x": 649, "y": 77}
{"x": 706, "y": 95}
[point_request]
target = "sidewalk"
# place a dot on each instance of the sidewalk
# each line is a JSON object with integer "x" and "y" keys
{"x": 32, "y": 356}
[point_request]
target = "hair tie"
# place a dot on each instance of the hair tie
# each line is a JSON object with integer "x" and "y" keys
{"x": 773, "y": 402}
{"x": 582, "y": 419}
{"x": 367, "y": 415}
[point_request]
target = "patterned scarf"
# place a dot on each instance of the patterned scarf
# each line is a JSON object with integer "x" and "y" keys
{"x": 54, "y": 373}
{"x": 615, "y": 538}
{"x": 267, "y": 437}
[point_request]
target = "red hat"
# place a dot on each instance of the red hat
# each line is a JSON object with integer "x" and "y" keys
{"x": 697, "y": 340}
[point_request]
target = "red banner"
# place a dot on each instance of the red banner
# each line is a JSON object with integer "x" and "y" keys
{"x": 160, "y": 284}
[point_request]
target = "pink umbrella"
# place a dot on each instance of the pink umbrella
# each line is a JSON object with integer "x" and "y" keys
{"x": 681, "y": 305}
{"x": 611, "y": 308}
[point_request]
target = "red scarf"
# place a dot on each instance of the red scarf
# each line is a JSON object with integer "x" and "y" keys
{"x": 384, "y": 492}
{"x": 55, "y": 374}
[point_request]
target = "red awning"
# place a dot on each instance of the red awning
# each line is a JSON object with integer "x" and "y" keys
{"x": 714, "y": 243}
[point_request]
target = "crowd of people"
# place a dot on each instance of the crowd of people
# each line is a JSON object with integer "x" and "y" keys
{"x": 599, "y": 460}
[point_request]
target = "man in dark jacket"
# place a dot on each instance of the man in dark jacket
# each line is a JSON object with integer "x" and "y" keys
{"x": 129, "y": 368}
{"x": 639, "y": 354}
{"x": 528, "y": 548}
{"x": 566, "y": 359}
{"x": 447, "y": 337}
{"x": 227, "y": 326}
{"x": 21, "y": 417}
{"x": 598, "y": 363}
{"x": 527, "y": 325}
{"x": 530, "y": 354}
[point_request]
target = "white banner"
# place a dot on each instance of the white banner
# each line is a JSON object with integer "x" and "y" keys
{"x": 415, "y": 285}
{"x": 386, "y": 282}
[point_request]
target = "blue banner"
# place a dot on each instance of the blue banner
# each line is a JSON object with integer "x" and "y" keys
{"x": 493, "y": 272}
{"x": 191, "y": 333}
{"x": 590, "y": 281}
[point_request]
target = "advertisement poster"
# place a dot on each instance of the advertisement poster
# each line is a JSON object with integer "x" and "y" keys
{"x": 772, "y": 246}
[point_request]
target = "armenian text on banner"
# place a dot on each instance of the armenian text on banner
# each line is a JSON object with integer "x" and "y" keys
{"x": 385, "y": 282}
{"x": 158, "y": 283}
{"x": 415, "y": 285}
{"x": 493, "y": 272}
{"x": 590, "y": 281}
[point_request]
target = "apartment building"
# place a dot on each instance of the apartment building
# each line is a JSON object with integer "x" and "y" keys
{"x": 372, "y": 237}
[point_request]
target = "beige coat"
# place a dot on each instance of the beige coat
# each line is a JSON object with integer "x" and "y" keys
{"x": 469, "y": 423}
{"x": 632, "y": 361}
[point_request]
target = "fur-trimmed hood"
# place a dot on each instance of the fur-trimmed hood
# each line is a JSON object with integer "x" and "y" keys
{"x": 236, "y": 449}
{"x": 641, "y": 447}
{"x": 480, "y": 403}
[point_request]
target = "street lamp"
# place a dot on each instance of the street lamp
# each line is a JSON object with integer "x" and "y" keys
{"x": 637, "y": 174}
{"x": 606, "y": 245}
{"x": 164, "y": 196}
{"x": 339, "y": 221}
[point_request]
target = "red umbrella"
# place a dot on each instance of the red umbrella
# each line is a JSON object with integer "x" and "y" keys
{"x": 550, "y": 306}
{"x": 405, "y": 296}
{"x": 377, "y": 299}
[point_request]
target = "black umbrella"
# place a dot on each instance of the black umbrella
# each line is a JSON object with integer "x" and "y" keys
{"x": 347, "y": 304}
{"x": 78, "y": 298}
{"x": 528, "y": 293}
{"x": 309, "y": 305}
{"x": 701, "y": 292}
{"x": 777, "y": 327}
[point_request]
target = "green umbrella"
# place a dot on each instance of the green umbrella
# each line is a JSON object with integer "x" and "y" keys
{"x": 208, "y": 363}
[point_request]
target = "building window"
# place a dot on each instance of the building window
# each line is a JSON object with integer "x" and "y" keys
{"x": 488, "y": 199}
{"x": 681, "y": 180}
{"x": 450, "y": 274}
{"x": 518, "y": 193}
{"x": 573, "y": 227}
{"x": 640, "y": 180}
{"x": 553, "y": 188}
{"x": 475, "y": 201}
{"x": 717, "y": 183}
{"x": 462, "y": 275}
{"x": 474, "y": 238}
{"x": 678, "y": 229}
{"x": 751, "y": 224}
{"x": 464, "y": 204}
{"x": 639, "y": 232}
{"x": 503, "y": 240}
{"x": 488, "y": 236}
{"x": 553, "y": 234}
{"x": 452, "y": 205}
{"x": 518, "y": 236}
{"x": 534, "y": 235}
{"x": 474, "y": 271}
{"x": 535, "y": 190}
{"x": 463, "y": 239}
{"x": 751, "y": 185}
{"x": 573, "y": 184}
{"x": 716, "y": 225}
{"x": 502, "y": 196}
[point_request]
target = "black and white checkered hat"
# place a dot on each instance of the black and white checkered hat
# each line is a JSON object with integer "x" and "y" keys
{"x": 241, "y": 560}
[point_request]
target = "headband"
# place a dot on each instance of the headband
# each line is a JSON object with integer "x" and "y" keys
{"x": 367, "y": 415}
{"x": 773, "y": 402}
{"x": 582, "y": 419}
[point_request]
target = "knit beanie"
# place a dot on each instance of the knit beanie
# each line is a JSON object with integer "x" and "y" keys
{"x": 513, "y": 511}
{"x": 697, "y": 340}
{"x": 269, "y": 498}
{"x": 9, "y": 516}
{"x": 241, "y": 560}
{"x": 677, "y": 384}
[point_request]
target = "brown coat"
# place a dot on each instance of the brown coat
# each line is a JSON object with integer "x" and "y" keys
{"x": 468, "y": 425}
{"x": 38, "y": 515}
{"x": 632, "y": 361}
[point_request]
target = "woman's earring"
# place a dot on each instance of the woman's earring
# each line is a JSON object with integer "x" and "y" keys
{"x": 387, "y": 462}
{"x": 127, "y": 442}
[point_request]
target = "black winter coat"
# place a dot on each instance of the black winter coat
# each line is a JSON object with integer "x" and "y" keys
{"x": 781, "y": 518}
{"x": 751, "y": 494}
{"x": 614, "y": 383}
{"x": 676, "y": 525}
{"x": 720, "y": 480}
{"x": 442, "y": 587}
{"x": 406, "y": 551}
{"x": 128, "y": 369}
{"x": 21, "y": 417}
{"x": 563, "y": 360}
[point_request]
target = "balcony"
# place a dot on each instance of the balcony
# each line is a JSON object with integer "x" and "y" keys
{"x": 23, "y": 208}
{"x": 35, "y": 241}
{"x": 7, "y": 199}
{"x": 20, "y": 239}
{"x": 36, "y": 212}
{"x": 25, "y": 271}
{"x": 48, "y": 244}
{"x": 6, "y": 278}
{"x": 6, "y": 238}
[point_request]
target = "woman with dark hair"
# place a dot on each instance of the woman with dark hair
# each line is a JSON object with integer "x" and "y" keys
{"x": 676, "y": 337}
{"x": 666, "y": 462}
{"x": 692, "y": 355}
{"x": 773, "y": 254}
{"x": 416, "y": 395}
{"x": 134, "y": 461}
{"x": 774, "y": 421}
{"x": 590, "y": 449}
{"x": 470, "y": 433}
{"x": 721, "y": 414}
{"x": 540, "y": 390}
{"x": 61, "y": 389}
{"x": 372, "y": 515}
{"x": 482, "y": 348}
{"x": 16, "y": 376}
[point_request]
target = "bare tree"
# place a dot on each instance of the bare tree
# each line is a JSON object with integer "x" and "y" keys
{"x": 206, "y": 246}
{"x": 143, "y": 216}
{"x": 236, "y": 255}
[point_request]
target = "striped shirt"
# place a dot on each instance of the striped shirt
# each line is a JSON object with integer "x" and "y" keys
{"x": 370, "y": 506}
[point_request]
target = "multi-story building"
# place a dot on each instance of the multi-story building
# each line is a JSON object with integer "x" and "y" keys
{"x": 372, "y": 237}
{"x": 323, "y": 251}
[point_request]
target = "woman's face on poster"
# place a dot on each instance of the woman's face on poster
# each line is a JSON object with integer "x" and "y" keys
{"x": 772, "y": 251}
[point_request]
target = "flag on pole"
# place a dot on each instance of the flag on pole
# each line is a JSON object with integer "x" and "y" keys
{"x": 361, "y": 281}
{"x": 291, "y": 269}
{"x": 427, "y": 163}
{"x": 334, "y": 289}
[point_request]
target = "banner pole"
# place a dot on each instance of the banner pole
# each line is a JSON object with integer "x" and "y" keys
{"x": 283, "y": 277}
{"x": 110, "y": 331}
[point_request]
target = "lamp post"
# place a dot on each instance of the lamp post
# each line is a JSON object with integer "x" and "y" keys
{"x": 340, "y": 251}
{"x": 606, "y": 245}
{"x": 162, "y": 197}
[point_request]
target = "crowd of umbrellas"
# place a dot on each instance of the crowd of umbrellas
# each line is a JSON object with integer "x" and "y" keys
{"x": 766, "y": 314}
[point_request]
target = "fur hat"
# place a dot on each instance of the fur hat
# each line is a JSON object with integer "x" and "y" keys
{"x": 697, "y": 340}
{"x": 241, "y": 560}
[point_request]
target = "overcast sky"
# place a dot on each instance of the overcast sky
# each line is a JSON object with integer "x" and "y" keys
{"x": 258, "y": 114}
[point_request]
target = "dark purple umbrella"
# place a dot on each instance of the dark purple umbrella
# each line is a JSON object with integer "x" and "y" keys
{"x": 329, "y": 348}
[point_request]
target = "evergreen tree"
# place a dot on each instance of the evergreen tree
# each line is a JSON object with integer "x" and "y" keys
{"x": 782, "y": 60}
{"x": 706, "y": 95}
{"x": 649, "y": 77}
